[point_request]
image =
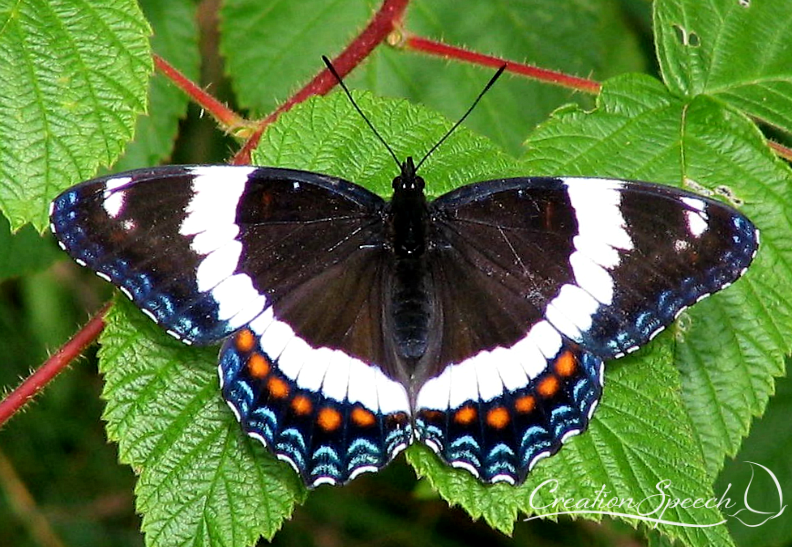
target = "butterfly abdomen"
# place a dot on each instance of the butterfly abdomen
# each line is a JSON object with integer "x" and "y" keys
{"x": 410, "y": 308}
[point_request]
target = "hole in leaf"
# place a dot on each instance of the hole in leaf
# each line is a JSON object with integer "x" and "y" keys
{"x": 687, "y": 38}
{"x": 744, "y": 3}
{"x": 696, "y": 187}
{"x": 728, "y": 193}
{"x": 683, "y": 324}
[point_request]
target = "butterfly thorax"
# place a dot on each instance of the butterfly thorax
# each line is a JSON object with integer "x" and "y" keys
{"x": 408, "y": 213}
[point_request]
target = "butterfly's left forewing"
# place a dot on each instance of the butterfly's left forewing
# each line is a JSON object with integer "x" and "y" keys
{"x": 149, "y": 232}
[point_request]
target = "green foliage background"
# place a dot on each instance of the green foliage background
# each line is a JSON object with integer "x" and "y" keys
{"x": 74, "y": 79}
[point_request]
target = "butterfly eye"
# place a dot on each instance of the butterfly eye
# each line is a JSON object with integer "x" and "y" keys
{"x": 414, "y": 184}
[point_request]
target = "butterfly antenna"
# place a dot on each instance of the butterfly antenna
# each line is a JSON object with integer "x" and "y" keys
{"x": 465, "y": 115}
{"x": 335, "y": 73}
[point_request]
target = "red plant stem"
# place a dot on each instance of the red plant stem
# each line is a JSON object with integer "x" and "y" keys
{"x": 224, "y": 115}
{"x": 781, "y": 150}
{"x": 385, "y": 21}
{"x": 53, "y": 366}
{"x": 433, "y": 47}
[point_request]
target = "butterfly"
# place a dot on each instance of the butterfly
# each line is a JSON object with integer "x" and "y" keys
{"x": 476, "y": 323}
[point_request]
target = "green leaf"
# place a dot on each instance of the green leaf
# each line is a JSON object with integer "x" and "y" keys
{"x": 273, "y": 49}
{"x": 202, "y": 481}
{"x": 74, "y": 77}
{"x": 175, "y": 39}
{"x": 327, "y": 135}
{"x": 735, "y": 50}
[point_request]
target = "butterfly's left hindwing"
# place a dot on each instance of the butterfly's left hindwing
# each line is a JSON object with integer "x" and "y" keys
{"x": 329, "y": 416}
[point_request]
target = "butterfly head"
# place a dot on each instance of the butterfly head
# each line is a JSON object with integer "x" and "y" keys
{"x": 407, "y": 212}
{"x": 408, "y": 180}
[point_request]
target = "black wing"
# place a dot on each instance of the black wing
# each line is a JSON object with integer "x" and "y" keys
{"x": 540, "y": 280}
{"x": 289, "y": 260}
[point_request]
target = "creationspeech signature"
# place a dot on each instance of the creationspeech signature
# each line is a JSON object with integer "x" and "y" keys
{"x": 653, "y": 508}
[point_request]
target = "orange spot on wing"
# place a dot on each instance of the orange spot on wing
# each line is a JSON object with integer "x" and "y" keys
{"x": 278, "y": 387}
{"x": 258, "y": 365}
{"x": 525, "y": 404}
{"x": 498, "y": 417}
{"x": 301, "y": 405}
{"x": 245, "y": 341}
{"x": 465, "y": 415}
{"x": 565, "y": 365}
{"x": 548, "y": 386}
{"x": 363, "y": 417}
{"x": 329, "y": 419}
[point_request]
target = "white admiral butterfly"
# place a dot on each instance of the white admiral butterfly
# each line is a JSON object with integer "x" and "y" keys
{"x": 476, "y": 323}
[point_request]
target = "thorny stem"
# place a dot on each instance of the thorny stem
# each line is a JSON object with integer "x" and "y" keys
{"x": 433, "y": 47}
{"x": 220, "y": 112}
{"x": 52, "y": 366}
{"x": 385, "y": 21}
